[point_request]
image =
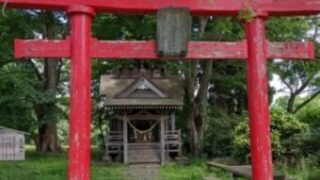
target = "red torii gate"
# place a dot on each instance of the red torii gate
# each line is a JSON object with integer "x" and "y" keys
{"x": 81, "y": 47}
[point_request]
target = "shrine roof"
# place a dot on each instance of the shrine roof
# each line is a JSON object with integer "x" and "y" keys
{"x": 142, "y": 89}
{"x": 143, "y": 104}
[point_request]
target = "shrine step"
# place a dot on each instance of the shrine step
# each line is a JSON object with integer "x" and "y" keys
{"x": 144, "y": 154}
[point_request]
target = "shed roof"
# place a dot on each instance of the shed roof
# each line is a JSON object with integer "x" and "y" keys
{"x": 8, "y": 130}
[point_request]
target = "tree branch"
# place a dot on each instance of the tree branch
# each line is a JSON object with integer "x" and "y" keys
{"x": 288, "y": 85}
{"x": 59, "y": 68}
{"x": 34, "y": 67}
{"x": 303, "y": 86}
{"x": 306, "y": 102}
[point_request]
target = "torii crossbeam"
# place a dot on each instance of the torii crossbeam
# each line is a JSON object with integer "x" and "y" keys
{"x": 81, "y": 47}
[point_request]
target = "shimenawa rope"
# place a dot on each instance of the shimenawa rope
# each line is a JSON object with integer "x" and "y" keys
{"x": 136, "y": 130}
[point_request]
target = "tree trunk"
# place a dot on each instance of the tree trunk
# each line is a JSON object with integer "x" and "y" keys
{"x": 47, "y": 140}
{"x": 198, "y": 113}
{"x": 290, "y": 105}
{"x": 198, "y": 104}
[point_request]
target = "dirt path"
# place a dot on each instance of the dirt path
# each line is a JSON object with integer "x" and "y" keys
{"x": 143, "y": 172}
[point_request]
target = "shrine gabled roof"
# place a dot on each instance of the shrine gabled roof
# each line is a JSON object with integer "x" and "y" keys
{"x": 142, "y": 84}
{"x": 143, "y": 104}
{"x": 142, "y": 92}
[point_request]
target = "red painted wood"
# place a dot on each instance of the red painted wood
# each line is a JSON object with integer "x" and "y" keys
{"x": 80, "y": 99}
{"x": 147, "y": 49}
{"x": 197, "y": 7}
{"x": 291, "y": 7}
{"x": 132, "y": 49}
{"x": 42, "y": 48}
{"x": 291, "y": 50}
{"x": 257, "y": 90}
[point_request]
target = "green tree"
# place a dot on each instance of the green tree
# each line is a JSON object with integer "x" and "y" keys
{"x": 213, "y": 84}
{"x": 299, "y": 77}
{"x": 310, "y": 114}
{"x": 287, "y": 135}
{"x": 48, "y": 113}
{"x": 38, "y": 80}
{"x": 18, "y": 87}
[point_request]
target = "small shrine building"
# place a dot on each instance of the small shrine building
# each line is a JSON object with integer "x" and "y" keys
{"x": 144, "y": 104}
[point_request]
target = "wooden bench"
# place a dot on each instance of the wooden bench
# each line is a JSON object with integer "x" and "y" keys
{"x": 241, "y": 171}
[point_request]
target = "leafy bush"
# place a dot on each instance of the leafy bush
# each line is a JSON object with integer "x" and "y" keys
{"x": 219, "y": 134}
{"x": 314, "y": 175}
{"x": 311, "y": 116}
{"x": 287, "y": 134}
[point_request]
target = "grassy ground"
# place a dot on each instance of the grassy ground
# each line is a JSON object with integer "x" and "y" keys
{"x": 41, "y": 166}
{"x": 196, "y": 171}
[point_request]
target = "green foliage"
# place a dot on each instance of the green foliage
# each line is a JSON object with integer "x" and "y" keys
{"x": 287, "y": 134}
{"x": 219, "y": 134}
{"x": 287, "y": 29}
{"x": 314, "y": 175}
{"x": 299, "y": 77}
{"x": 311, "y": 115}
{"x": 63, "y": 132}
{"x": 227, "y": 90}
{"x": 16, "y": 24}
{"x": 247, "y": 14}
{"x": 303, "y": 170}
{"x": 124, "y": 27}
{"x": 17, "y": 96}
{"x": 21, "y": 87}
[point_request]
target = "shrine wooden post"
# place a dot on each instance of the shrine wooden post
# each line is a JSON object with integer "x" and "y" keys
{"x": 125, "y": 138}
{"x": 80, "y": 47}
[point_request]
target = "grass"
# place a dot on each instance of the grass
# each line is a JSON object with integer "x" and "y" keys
{"x": 303, "y": 171}
{"x": 43, "y": 166}
{"x": 195, "y": 171}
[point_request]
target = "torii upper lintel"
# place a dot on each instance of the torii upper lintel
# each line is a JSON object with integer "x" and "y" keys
{"x": 197, "y": 7}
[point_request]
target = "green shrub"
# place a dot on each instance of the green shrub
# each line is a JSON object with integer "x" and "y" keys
{"x": 287, "y": 134}
{"x": 311, "y": 115}
{"x": 314, "y": 175}
{"x": 219, "y": 134}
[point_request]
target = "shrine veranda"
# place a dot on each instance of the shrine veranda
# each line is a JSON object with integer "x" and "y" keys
{"x": 81, "y": 47}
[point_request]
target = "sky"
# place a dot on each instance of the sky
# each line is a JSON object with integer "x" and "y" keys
{"x": 278, "y": 86}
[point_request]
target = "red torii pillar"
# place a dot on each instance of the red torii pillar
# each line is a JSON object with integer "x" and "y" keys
{"x": 80, "y": 47}
{"x": 258, "y": 101}
{"x": 80, "y": 99}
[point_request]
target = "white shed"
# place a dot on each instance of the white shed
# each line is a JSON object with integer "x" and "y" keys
{"x": 12, "y": 144}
